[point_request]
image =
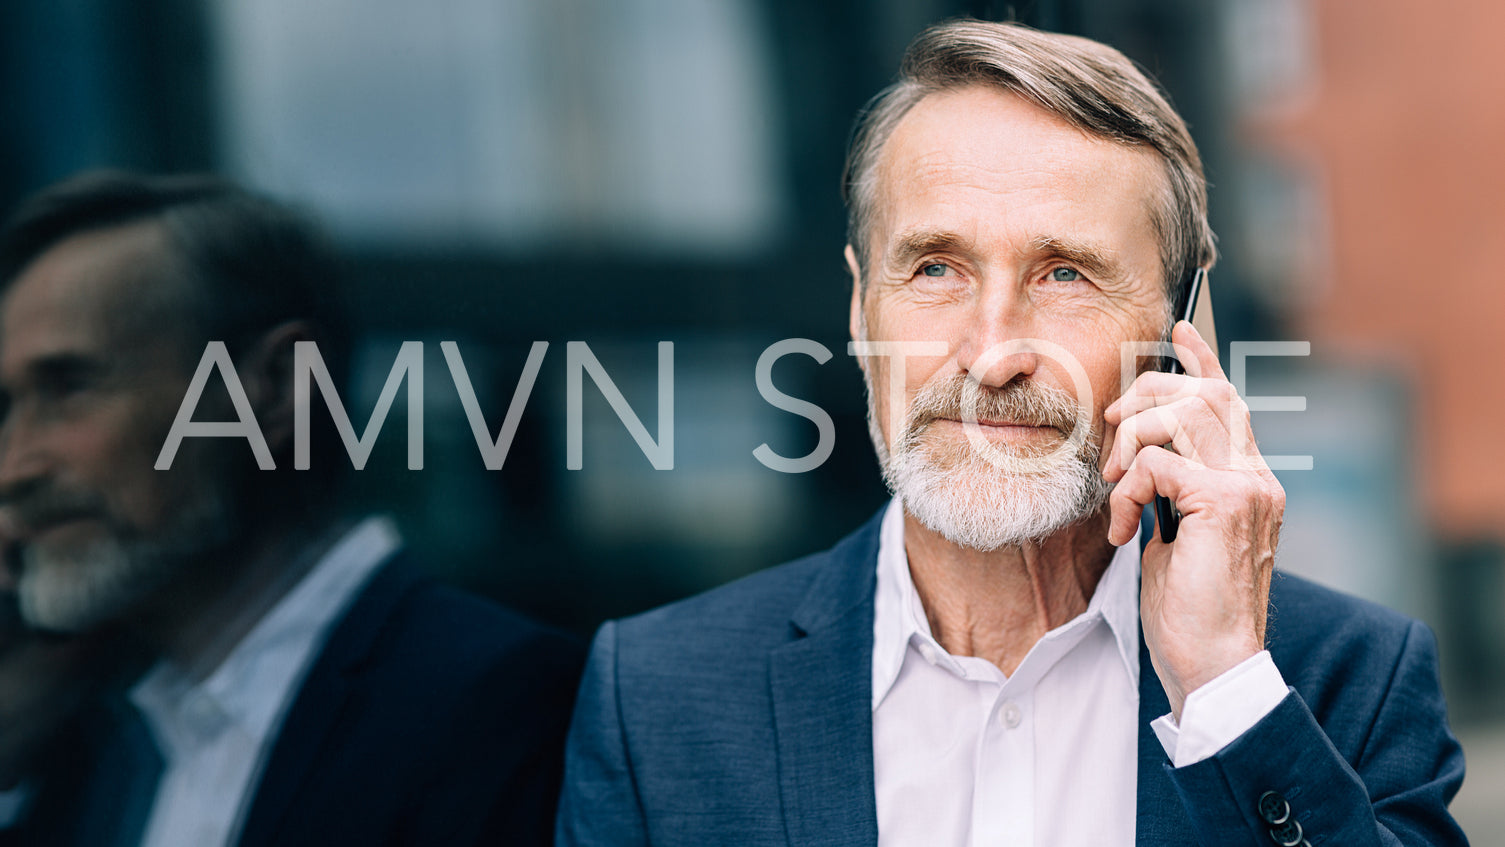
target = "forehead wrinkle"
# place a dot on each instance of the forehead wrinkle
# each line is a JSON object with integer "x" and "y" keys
{"x": 958, "y": 170}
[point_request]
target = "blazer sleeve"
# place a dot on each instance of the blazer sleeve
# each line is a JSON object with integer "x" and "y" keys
{"x": 1283, "y": 780}
{"x": 599, "y": 804}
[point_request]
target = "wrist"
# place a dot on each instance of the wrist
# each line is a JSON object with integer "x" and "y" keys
{"x": 1212, "y": 662}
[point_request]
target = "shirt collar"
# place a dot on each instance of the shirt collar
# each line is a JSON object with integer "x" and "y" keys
{"x": 249, "y": 688}
{"x": 899, "y": 616}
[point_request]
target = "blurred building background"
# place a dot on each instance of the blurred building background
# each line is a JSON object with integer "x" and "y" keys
{"x": 626, "y": 172}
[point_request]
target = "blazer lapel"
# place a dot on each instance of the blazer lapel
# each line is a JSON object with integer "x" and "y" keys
{"x": 320, "y": 701}
{"x": 1161, "y": 819}
{"x": 822, "y": 696}
{"x": 821, "y": 683}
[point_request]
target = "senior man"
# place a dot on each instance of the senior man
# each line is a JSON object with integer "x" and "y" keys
{"x": 992, "y": 659}
{"x": 308, "y": 685}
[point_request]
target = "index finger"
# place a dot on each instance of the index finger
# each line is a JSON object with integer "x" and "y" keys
{"x": 1151, "y": 389}
{"x": 1186, "y": 335}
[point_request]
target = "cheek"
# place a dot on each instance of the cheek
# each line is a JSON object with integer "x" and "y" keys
{"x": 904, "y": 313}
{"x": 1094, "y": 374}
{"x": 119, "y": 456}
{"x": 878, "y": 376}
{"x": 928, "y": 342}
{"x": 95, "y": 452}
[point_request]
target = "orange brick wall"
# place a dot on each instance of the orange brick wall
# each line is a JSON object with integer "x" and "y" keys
{"x": 1408, "y": 122}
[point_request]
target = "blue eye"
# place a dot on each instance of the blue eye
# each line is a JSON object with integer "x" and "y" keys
{"x": 1064, "y": 274}
{"x": 934, "y": 269}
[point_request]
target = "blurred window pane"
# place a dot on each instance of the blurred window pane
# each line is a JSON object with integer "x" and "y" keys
{"x": 631, "y": 125}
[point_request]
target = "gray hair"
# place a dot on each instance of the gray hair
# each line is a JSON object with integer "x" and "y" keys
{"x": 1089, "y": 85}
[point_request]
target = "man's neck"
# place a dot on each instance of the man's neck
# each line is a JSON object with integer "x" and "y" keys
{"x": 197, "y": 622}
{"x": 995, "y": 605}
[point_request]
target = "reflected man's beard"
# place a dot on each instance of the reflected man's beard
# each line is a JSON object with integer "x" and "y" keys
{"x": 1005, "y": 496}
{"x": 77, "y": 586}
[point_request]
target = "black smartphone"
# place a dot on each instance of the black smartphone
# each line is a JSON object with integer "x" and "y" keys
{"x": 1193, "y": 304}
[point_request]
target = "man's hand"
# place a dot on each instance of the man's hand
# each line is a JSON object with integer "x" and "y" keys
{"x": 1203, "y": 598}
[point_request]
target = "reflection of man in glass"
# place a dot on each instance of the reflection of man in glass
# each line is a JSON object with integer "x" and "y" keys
{"x": 46, "y": 684}
{"x": 309, "y": 687}
{"x": 98, "y": 352}
{"x": 995, "y": 659}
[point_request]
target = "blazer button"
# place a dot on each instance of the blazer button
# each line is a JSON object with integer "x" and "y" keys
{"x": 1274, "y": 808}
{"x": 1288, "y": 834}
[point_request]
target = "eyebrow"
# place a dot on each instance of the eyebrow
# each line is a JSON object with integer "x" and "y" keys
{"x": 916, "y": 243}
{"x": 1093, "y": 259}
{"x": 1096, "y": 261}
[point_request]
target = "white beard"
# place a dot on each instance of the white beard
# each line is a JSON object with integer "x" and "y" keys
{"x": 985, "y": 502}
{"x": 75, "y": 588}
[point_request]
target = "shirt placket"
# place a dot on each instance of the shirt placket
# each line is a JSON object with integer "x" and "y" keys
{"x": 1003, "y": 803}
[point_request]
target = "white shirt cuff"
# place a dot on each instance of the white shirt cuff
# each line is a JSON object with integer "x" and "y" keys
{"x": 1222, "y": 710}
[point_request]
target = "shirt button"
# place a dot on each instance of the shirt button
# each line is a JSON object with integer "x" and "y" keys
{"x": 201, "y": 713}
{"x": 927, "y": 653}
{"x": 1011, "y": 714}
{"x": 199, "y": 710}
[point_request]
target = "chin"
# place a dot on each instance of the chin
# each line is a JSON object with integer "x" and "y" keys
{"x": 77, "y": 583}
{"x": 970, "y": 502}
{"x": 77, "y": 587}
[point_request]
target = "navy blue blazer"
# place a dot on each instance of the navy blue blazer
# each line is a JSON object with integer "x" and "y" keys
{"x": 744, "y": 716}
{"x": 429, "y": 717}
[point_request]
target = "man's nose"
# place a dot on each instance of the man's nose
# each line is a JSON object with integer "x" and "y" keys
{"x": 998, "y": 344}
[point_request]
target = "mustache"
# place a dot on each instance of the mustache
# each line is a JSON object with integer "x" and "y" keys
{"x": 1025, "y": 402}
{"x": 44, "y": 506}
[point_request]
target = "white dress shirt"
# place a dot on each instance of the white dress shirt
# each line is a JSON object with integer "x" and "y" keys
{"x": 214, "y": 735}
{"x": 964, "y": 755}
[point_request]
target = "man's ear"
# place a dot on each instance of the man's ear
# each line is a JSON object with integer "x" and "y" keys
{"x": 267, "y": 375}
{"x": 854, "y": 320}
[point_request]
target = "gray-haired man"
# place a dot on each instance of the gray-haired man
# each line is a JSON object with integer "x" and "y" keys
{"x": 992, "y": 659}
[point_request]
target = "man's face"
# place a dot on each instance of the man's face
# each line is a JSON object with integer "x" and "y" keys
{"x": 1026, "y": 249}
{"x": 93, "y": 367}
